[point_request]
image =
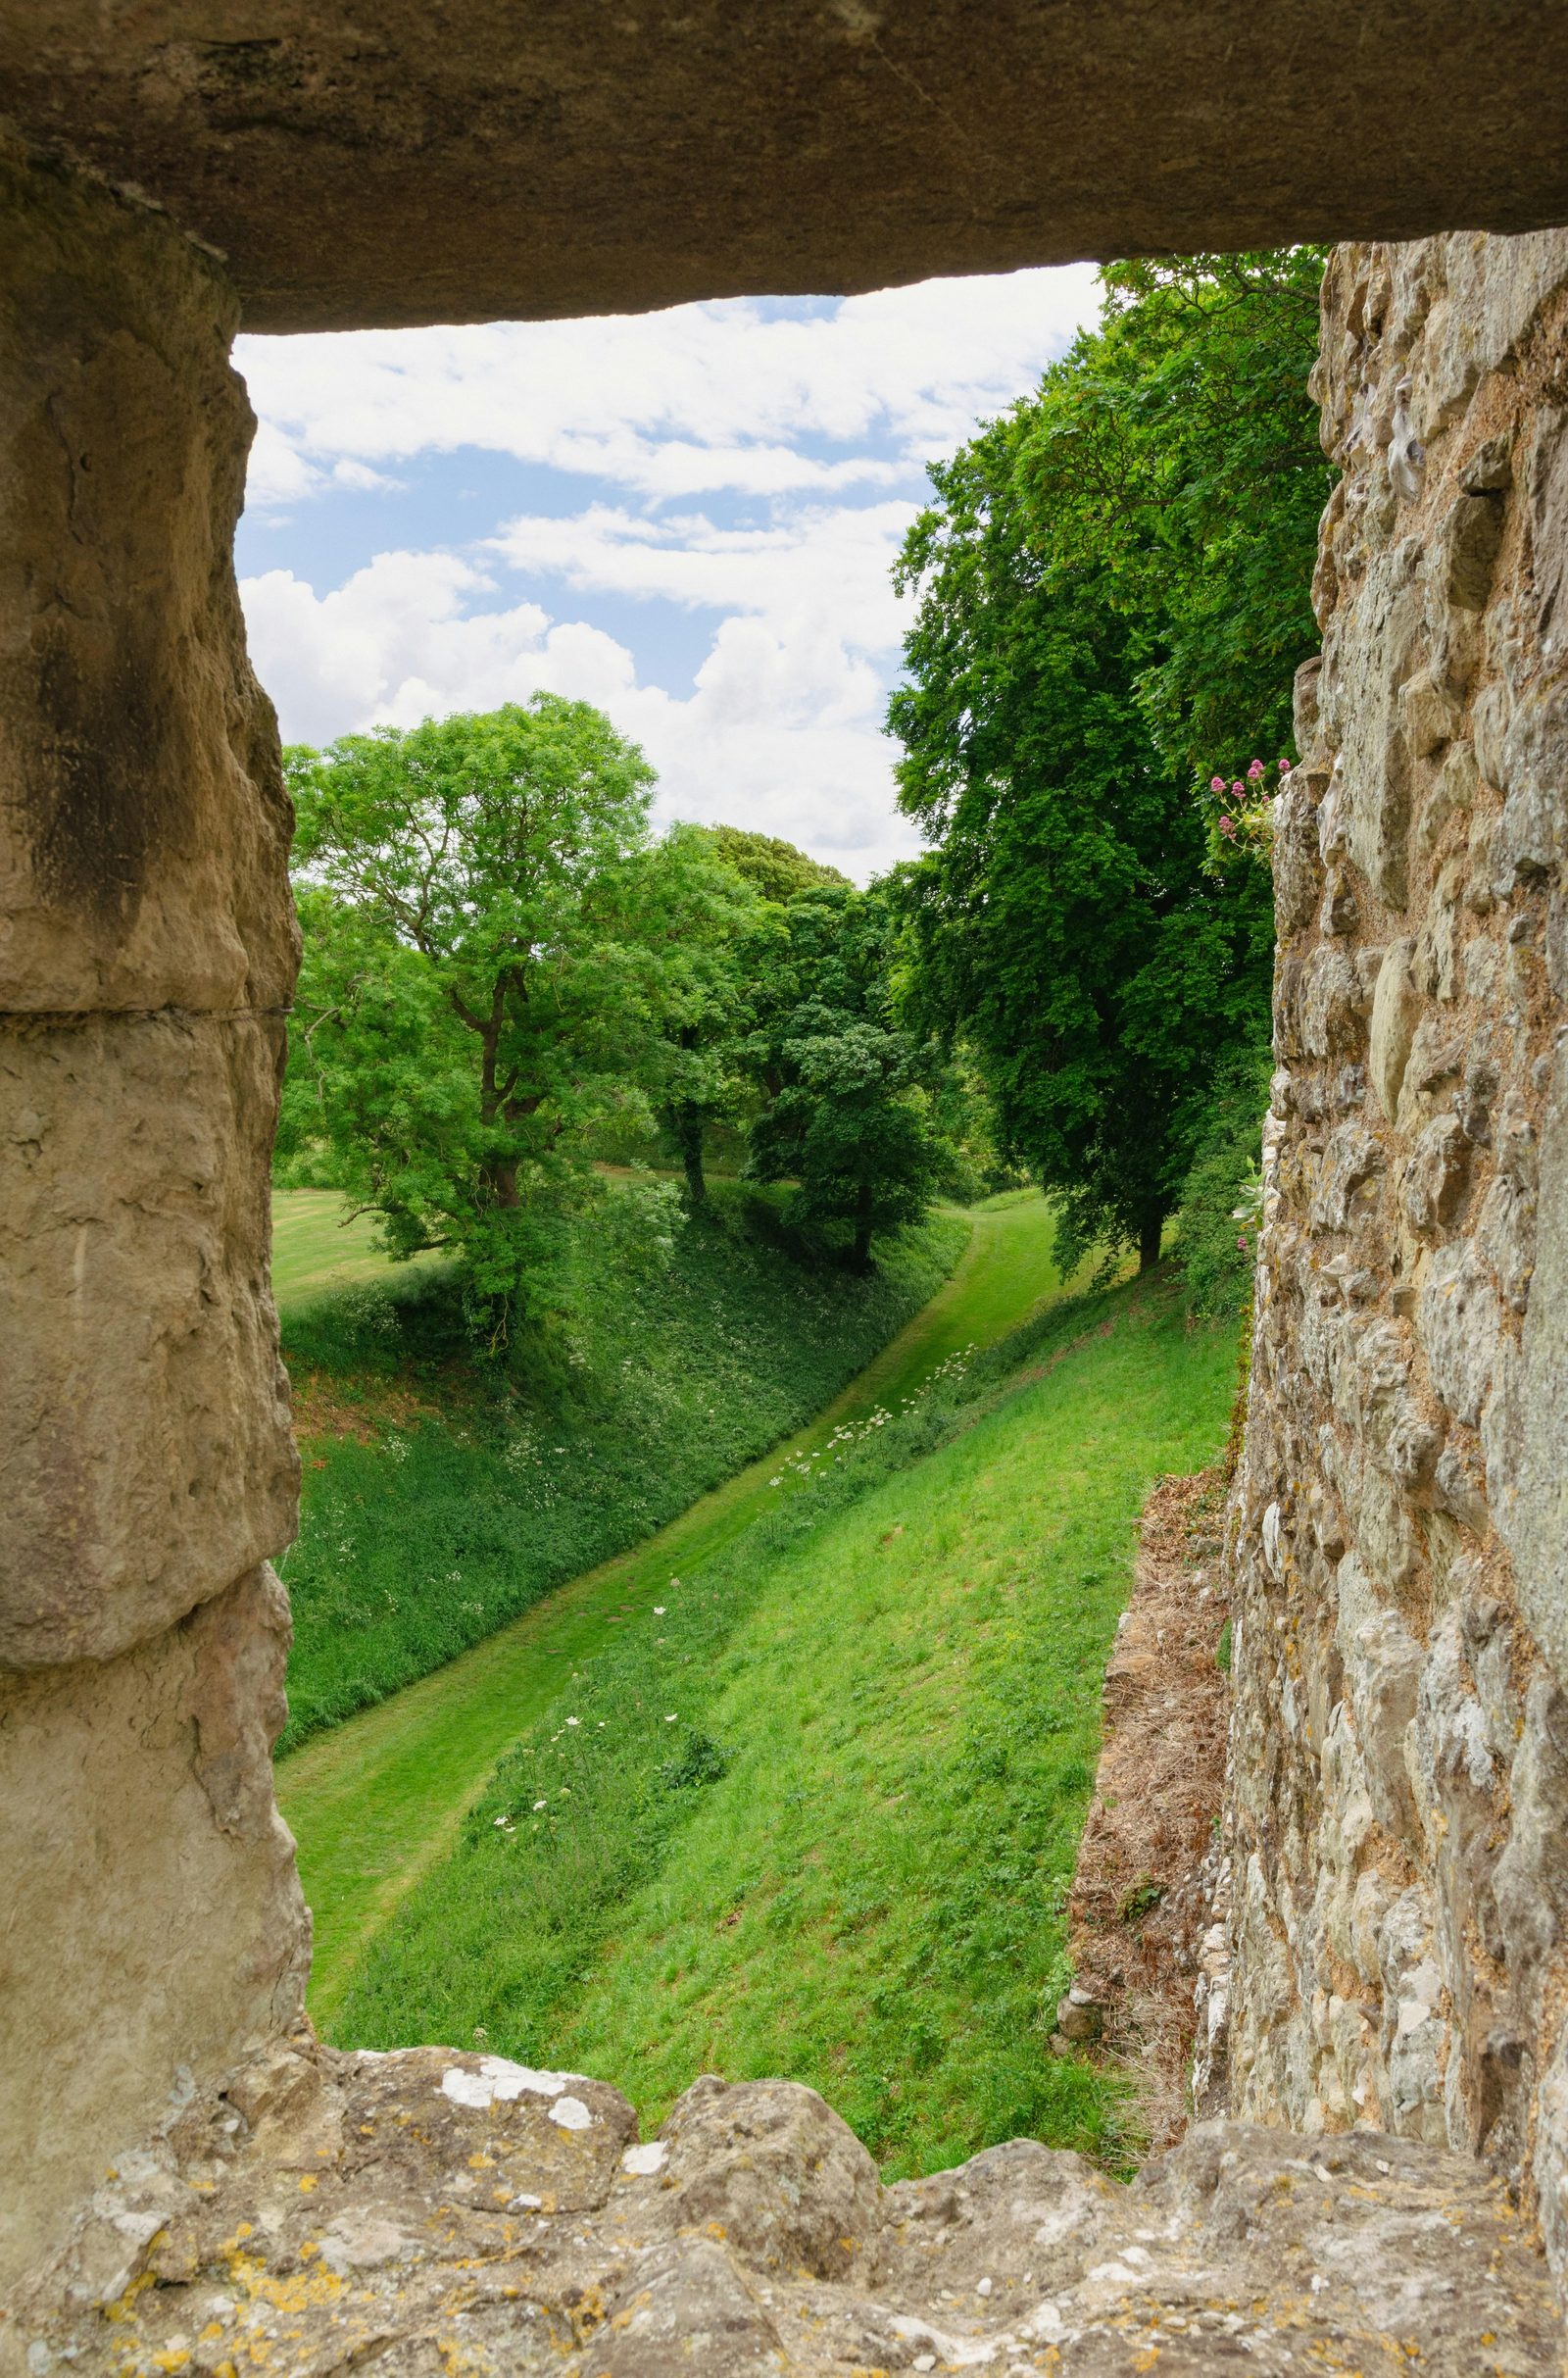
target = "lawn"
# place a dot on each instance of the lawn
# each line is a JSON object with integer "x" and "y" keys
{"x": 374, "y": 1802}
{"x": 443, "y": 1495}
{"x": 316, "y": 1248}
{"x": 816, "y": 1811}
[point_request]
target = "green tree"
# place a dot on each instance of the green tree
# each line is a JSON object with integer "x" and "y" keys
{"x": 708, "y": 1010}
{"x": 1112, "y": 584}
{"x": 486, "y": 973}
{"x": 775, "y": 869}
{"x": 847, "y": 1112}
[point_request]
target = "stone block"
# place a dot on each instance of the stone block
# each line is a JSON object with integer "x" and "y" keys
{"x": 1435, "y": 1177}
{"x": 1468, "y": 546}
{"x": 145, "y": 1453}
{"x": 1460, "y": 1322}
{"x": 154, "y": 1916}
{"x": 143, "y": 822}
{"x": 1526, "y": 1468}
{"x": 1531, "y": 1880}
{"x": 1451, "y": 794}
{"x": 1395, "y": 1011}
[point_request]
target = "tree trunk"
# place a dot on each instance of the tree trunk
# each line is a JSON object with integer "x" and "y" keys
{"x": 862, "y": 1227}
{"x": 688, "y": 1133}
{"x": 1148, "y": 1242}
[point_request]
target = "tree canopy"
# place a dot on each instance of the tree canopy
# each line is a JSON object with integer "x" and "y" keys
{"x": 494, "y": 949}
{"x": 847, "y": 1112}
{"x": 1112, "y": 597}
{"x": 775, "y": 869}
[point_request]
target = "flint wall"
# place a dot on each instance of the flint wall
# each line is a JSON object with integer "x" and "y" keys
{"x": 1398, "y": 1811}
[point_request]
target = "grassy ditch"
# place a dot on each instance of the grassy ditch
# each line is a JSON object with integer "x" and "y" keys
{"x": 816, "y": 1814}
{"x": 376, "y": 1801}
{"x": 443, "y": 1497}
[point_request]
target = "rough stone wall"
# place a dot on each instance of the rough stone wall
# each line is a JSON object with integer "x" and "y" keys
{"x": 153, "y": 1920}
{"x": 431, "y": 2215}
{"x": 1398, "y": 1791}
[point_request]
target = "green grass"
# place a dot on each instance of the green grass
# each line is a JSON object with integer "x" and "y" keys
{"x": 820, "y": 1818}
{"x": 316, "y": 1251}
{"x": 443, "y": 1497}
{"x": 376, "y": 1801}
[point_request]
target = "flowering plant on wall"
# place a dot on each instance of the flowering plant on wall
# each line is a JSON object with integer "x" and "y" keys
{"x": 1239, "y": 813}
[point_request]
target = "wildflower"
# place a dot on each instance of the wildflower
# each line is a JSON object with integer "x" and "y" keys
{"x": 1216, "y": 784}
{"x": 500, "y": 1821}
{"x": 1227, "y": 825}
{"x": 774, "y": 1482}
{"x": 574, "y": 1721}
{"x": 1254, "y": 772}
{"x": 658, "y": 1610}
{"x": 1239, "y": 789}
{"x": 540, "y": 1803}
{"x": 1285, "y": 766}
{"x": 670, "y": 1719}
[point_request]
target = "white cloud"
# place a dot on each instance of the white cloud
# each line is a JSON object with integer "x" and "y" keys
{"x": 781, "y": 729}
{"x": 697, "y": 398}
{"x": 815, "y": 415}
{"x": 810, "y": 561}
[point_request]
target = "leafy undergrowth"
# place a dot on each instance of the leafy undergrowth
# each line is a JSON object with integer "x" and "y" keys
{"x": 443, "y": 1496}
{"x": 824, "y": 1824}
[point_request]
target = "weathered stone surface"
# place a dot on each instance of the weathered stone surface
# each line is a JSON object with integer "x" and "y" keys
{"x": 153, "y": 1913}
{"x": 426, "y": 2211}
{"x": 153, "y": 1920}
{"x": 395, "y": 164}
{"x": 145, "y": 1454}
{"x": 143, "y": 823}
{"x": 1530, "y": 1471}
{"x": 1397, "y": 1799}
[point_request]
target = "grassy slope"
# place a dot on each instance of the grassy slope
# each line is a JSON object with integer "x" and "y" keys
{"x": 845, "y": 1857}
{"x": 376, "y": 1801}
{"x": 441, "y": 1500}
{"x": 316, "y": 1251}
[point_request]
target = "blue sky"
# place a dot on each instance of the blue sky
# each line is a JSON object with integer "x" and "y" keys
{"x": 687, "y": 518}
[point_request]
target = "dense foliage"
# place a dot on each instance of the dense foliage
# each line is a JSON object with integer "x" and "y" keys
{"x": 500, "y": 960}
{"x": 441, "y": 1498}
{"x": 847, "y": 1111}
{"x": 1113, "y": 586}
{"x": 1221, "y": 1205}
{"x": 773, "y": 867}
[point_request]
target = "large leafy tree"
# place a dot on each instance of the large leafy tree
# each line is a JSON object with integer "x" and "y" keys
{"x": 711, "y": 911}
{"x": 711, "y": 1006}
{"x": 847, "y": 1112}
{"x": 776, "y": 870}
{"x": 491, "y": 946}
{"x": 1113, "y": 586}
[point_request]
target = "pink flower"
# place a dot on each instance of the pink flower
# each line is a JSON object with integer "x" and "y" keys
{"x": 1241, "y": 1244}
{"x": 1239, "y": 789}
{"x": 1285, "y": 767}
{"x": 1227, "y": 825}
{"x": 1216, "y": 784}
{"x": 1254, "y": 772}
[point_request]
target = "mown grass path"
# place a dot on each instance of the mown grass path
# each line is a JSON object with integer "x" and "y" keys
{"x": 376, "y": 1801}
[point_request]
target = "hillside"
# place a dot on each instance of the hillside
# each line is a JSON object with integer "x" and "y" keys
{"x": 444, "y": 1494}
{"x": 816, "y": 1811}
{"x": 376, "y": 1801}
